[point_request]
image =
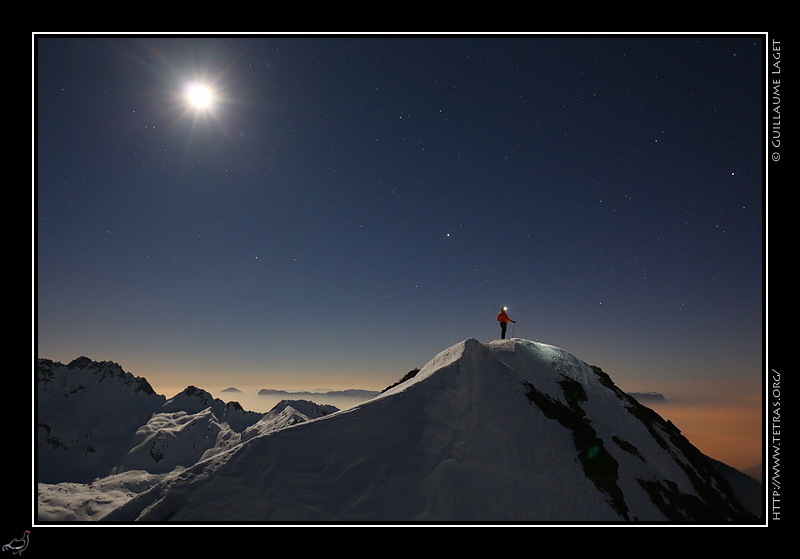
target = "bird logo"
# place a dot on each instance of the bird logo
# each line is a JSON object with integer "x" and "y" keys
{"x": 18, "y": 545}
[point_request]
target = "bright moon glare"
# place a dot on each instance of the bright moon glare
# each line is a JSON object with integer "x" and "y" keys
{"x": 200, "y": 97}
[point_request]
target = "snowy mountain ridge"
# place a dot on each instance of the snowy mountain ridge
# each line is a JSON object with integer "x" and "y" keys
{"x": 89, "y": 426}
{"x": 508, "y": 431}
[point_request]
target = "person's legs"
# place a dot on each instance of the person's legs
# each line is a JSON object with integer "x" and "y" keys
{"x": 503, "y": 327}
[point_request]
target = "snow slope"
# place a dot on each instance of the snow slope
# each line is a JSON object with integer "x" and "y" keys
{"x": 509, "y": 431}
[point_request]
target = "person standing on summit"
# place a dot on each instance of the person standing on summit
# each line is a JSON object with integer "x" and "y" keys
{"x": 503, "y": 319}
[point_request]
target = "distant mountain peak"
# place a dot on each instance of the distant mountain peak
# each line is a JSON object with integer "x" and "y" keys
{"x": 98, "y": 370}
{"x": 81, "y": 363}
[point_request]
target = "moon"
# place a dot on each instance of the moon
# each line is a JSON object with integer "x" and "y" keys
{"x": 199, "y": 96}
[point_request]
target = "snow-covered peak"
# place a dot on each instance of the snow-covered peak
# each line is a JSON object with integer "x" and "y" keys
{"x": 511, "y": 431}
{"x": 310, "y": 410}
{"x": 87, "y": 414}
{"x": 81, "y": 372}
{"x": 194, "y": 400}
{"x": 287, "y": 413}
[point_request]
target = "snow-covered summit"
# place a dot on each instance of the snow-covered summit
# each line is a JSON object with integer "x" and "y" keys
{"x": 287, "y": 413}
{"x": 194, "y": 400}
{"x": 84, "y": 370}
{"x": 87, "y": 414}
{"x": 509, "y": 431}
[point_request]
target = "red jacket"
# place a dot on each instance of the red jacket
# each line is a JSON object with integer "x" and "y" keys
{"x": 503, "y": 317}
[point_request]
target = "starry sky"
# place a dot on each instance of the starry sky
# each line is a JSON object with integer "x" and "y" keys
{"x": 349, "y": 206}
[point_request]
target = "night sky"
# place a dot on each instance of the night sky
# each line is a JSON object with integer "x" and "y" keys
{"x": 349, "y": 206}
